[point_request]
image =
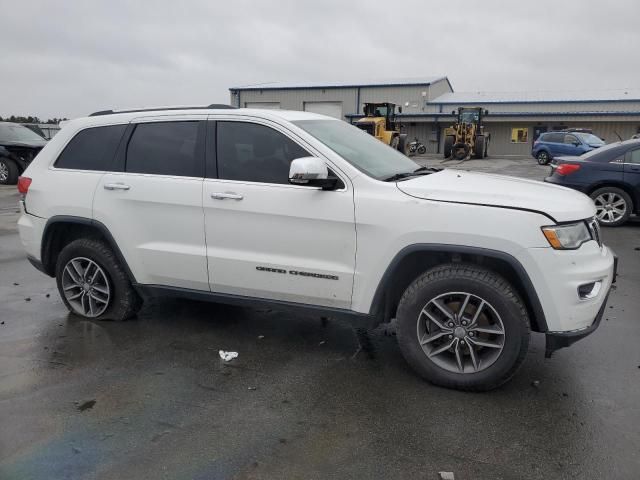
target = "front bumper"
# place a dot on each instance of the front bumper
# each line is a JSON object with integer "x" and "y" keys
{"x": 558, "y": 340}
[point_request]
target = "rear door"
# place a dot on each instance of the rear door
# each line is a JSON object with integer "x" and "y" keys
{"x": 265, "y": 237}
{"x": 153, "y": 205}
{"x": 632, "y": 172}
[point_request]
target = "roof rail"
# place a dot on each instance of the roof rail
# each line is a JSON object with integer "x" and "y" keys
{"x": 213, "y": 106}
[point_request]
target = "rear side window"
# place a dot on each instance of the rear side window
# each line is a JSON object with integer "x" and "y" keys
{"x": 92, "y": 149}
{"x": 255, "y": 153}
{"x": 165, "y": 148}
{"x": 554, "y": 137}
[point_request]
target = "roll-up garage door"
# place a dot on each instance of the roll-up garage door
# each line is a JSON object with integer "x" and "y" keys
{"x": 331, "y": 109}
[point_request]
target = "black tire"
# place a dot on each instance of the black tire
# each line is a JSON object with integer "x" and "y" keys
{"x": 486, "y": 147}
{"x": 403, "y": 144}
{"x": 621, "y": 194}
{"x": 422, "y": 150}
{"x": 124, "y": 301}
{"x": 9, "y": 172}
{"x": 479, "y": 147}
{"x": 484, "y": 284}
{"x": 448, "y": 145}
{"x": 460, "y": 151}
{"x": 543, "y": 157}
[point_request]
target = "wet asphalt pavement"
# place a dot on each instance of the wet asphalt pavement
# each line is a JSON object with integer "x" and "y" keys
{"x": 150, "y": 398}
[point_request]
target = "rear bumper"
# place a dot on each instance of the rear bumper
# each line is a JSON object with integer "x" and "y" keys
{"x": 559, "y": 180}
{"x": 558, "y": 340}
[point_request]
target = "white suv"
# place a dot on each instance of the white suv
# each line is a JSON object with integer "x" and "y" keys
{"x": 301, "y": 211}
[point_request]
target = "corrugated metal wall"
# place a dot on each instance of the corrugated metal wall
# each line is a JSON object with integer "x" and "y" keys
{"x": 551, "y": 107}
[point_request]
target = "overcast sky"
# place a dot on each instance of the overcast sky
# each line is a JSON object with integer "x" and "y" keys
{"x": 69, "y": 58}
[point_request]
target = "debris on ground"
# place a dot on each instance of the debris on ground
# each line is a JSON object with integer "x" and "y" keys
{"x": 446, "y": 476}
{"x": 28, "y": 299}
{"x": 260, "y": 337}
{"x": 76, "y": 450}
{"x": 227, "y": 356}
{"x": 86, "y": 405}
{"x": 48, "y": 295}
{"x": 251, "y": 388}
{"x": 535, "y": 383}
{"x": 2, "y": 322}
{"x": 322, "y": 342}
{"x": 16, "y": 284}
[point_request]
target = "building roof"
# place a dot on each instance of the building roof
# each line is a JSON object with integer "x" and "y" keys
{"x": 577, "y": 96}
{"x": 389, "y": 82}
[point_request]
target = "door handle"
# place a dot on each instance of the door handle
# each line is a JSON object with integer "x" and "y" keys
{"x": 116, "y": 186}
{"x": 226, "y": 195}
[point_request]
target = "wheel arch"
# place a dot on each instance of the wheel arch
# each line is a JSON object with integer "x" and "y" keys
{"x": 60, "y": 230}
{"x": 413, "y": 260}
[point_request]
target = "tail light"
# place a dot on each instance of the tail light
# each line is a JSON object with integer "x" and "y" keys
{"x": 567, "y": 168}
{"x": 23, "y": 185}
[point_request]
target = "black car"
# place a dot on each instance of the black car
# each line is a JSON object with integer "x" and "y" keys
{"x": 610, "y": 175}
{"x": 18, "y": 146}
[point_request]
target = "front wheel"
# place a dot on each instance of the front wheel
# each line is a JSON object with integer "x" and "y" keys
{"x": 93, "y": 284}
{"x": 464, "y": 327}
{"x": 422, "y": 150}
{"x": 8, "y": 172}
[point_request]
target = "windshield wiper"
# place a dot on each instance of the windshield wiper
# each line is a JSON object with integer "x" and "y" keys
{"x": 416, "y": 172}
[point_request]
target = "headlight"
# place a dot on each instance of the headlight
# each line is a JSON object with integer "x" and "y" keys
{"x": 567, "y": 237}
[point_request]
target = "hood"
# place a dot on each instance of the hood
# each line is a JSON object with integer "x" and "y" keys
{"x": 459, "y": 186}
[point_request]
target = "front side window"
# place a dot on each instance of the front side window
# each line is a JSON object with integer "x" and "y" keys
{"x": 254, "y": 153}
{"x": 570, "y": 139}
{"x": 634, "y": 156}
{"x": 92, "y": 149}
{"x": 165, "y": 148}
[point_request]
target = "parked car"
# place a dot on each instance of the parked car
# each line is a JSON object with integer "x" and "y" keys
{"x": 567, "y": 142}
{"x": 609, "y": 175}
{"x": 18, "y": 146}
{"x": 300, "y": 211}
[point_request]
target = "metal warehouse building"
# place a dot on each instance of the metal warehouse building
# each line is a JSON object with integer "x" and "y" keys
{"x": 514, "y": 121}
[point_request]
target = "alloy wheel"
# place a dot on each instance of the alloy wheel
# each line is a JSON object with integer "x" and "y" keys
{"x": 460, "y": 332}
{"x": 86, "y": 287}
{"x": 4, "y": 172}
{"x": 610, "y": 207}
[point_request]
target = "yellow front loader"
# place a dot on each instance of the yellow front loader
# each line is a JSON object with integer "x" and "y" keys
{"x": 466, "y": 138}
{"x": 380, "y": 121}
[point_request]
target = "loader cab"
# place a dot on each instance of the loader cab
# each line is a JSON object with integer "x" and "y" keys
{"x": 471, "y": 116}
{"x": 383, "y": 110}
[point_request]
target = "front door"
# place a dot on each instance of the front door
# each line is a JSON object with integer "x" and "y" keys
{"x": 265, "y": 237}
{"x": 153, "y": 205}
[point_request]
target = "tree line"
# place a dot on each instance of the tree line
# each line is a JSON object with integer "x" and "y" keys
{"x": 30, "y": 119}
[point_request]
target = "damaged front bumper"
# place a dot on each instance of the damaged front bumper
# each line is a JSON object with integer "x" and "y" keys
{"x": 558, "y": 340}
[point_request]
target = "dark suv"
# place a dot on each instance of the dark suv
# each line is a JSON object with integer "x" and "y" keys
{"x": 564, "y": 143}
{"x": 18, "y": 146}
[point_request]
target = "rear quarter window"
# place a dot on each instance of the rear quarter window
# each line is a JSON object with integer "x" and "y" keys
{"x": 92, "y": 149}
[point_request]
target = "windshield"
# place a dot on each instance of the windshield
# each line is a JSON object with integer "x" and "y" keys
{"x": 469, "y": 116}
{"x": 590, "y": 139}
{"x": 363, "y": 151}
{"x": 10, "y": 132}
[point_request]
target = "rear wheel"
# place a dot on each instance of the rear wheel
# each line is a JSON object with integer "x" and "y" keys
{"x": 448, "y": 145}
{"x": 462, "y": 326}
{"x": 93, "y": 284}
{"x": 8, "y": 172}
{"x": 543, "y": 157}
{"x": 613, "y": 206}
{"x": 479, "y": 147}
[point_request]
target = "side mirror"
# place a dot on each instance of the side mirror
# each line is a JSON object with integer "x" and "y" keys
{"x": 576, "y": 144}
{"x": 311, "y": 171}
